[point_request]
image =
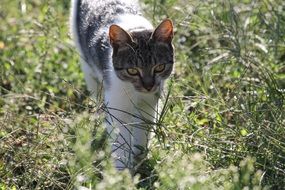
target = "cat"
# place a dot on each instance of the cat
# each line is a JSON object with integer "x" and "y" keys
{"x": 123, "y": 54}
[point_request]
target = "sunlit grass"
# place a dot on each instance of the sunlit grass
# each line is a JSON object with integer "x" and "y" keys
{"x": 222, "y": 126}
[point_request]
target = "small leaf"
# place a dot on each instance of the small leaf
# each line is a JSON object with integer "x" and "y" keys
{"x": 243, "y": 132}
{"x": 2, "y": 45}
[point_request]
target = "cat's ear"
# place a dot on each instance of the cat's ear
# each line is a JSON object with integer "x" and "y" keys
{"x": 118, "y": 36}
{"x": 164, "y": 31}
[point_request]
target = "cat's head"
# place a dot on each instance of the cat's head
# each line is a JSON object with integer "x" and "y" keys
{"x": 143, "y": 58}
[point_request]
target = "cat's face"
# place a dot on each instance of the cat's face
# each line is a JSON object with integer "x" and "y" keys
{"x": 143, "y": 58}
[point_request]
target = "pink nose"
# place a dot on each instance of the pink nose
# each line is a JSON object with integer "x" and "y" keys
{"x": 148, "y": 88}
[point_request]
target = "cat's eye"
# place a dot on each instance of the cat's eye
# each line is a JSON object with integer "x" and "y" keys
{"x": 159, "y": 68}
{"x": 132, "y": 71}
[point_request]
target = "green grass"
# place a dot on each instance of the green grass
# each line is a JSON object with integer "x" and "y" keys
{"x": 223, "y": 124}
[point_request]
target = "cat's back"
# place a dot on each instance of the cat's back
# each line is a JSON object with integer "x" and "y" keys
{"x": 91, "y": 16}
{"x": 100, "y": 13}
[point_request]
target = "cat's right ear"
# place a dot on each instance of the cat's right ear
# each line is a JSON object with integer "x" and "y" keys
{"x": 164, "y": 31}
{"x": 118, "y": 36}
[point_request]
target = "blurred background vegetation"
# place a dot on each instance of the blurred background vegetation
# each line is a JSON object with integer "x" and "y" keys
{"x": 222, "y": 126}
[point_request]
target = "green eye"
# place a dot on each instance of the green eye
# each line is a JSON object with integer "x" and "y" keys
{"x": 132, "y": 71}
{"x": 159, "y": 68}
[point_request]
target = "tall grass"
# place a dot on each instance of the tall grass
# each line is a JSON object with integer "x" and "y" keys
{"x": 222, "y": 125}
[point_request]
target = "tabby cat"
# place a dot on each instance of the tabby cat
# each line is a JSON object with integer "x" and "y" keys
{"x": 122, "y": 52}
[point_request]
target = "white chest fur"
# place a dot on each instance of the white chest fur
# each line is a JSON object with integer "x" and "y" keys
{"x": 129, "y": 118}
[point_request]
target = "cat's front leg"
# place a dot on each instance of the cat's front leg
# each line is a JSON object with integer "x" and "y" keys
{"x": 129, "y": 137}
{"x": 146, "y": 111}
{"x": 121, "y": 140}
{"x": 141, "y": 138}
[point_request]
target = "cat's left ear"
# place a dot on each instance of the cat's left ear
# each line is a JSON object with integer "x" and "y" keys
{"x": 164, "y": 31}
{"x": 118, "y": 36}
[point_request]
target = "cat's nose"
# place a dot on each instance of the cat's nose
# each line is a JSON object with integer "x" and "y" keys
{"x": 148, "y": 87}
{"x": 148, "y": 83}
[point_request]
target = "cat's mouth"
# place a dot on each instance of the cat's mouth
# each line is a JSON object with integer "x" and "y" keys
{"x": 148, "y": 89}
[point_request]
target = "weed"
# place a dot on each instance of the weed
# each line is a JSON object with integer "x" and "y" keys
{"x": 221, "y": 126}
